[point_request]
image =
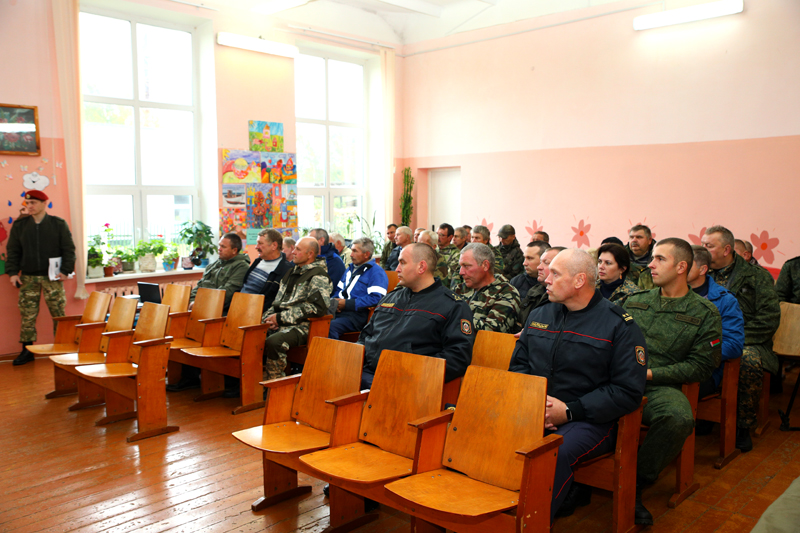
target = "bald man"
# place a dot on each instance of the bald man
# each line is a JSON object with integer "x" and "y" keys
{"x": 420, "y": 316}
{"x": 594, "y": 358}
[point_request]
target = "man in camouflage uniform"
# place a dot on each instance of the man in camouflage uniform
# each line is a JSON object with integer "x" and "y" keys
{"x": 537, "y": 295}
{"x": 442, "y": 271}
{"x": 447, "y": 249}
{"x": 304, "y": 293}
{"x": 494, "y": 302}
{"x": 481, "y": 234}
{"x": 389, "y": 245}
{"x": 745, "y": 249}
{"x": 33, "y": 240}
{"x": 510, "y": 251}
{"x": 788, "y": 284}
{"x": 683, "y": 332}
{"x": 640, "y": 247}
{"x": 461, "y": 238}
{"x": 761, "y": 308}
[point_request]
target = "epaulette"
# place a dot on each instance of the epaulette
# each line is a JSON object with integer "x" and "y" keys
{"x": 622, "y": 313}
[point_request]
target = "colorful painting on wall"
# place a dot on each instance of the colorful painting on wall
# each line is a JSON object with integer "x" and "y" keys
{"x": 233, "y": 221}
{"x": 233, "y": 195}
{"x": 259, "y": 202}
{"x": 283, "y": 208}
{"x": 241, "y": 166}
{"x": 265, "y": 136}
{"x": 278, "y": 168}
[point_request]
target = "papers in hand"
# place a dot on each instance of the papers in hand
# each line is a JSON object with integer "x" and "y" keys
{"x": 55, "y": 268}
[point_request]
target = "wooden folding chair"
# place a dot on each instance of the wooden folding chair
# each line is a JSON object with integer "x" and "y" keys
{"x": 786, "y": 343}
{"x": 188, "y": 328}
{"x": 495, "y": 459}
{"x": 137, "y": 375}
{"x": 68, "y": 335}
{"x": 298, "y": 419}
{"x": 720, "y": 407}
{"x": 393, "y": 280}
{"x": 319, "y": 327}
{"x": 238, "y": 352}
{"x": 91, "y": 350}
{"x": 406, "y": 388}
{"x": 177, "y": 298}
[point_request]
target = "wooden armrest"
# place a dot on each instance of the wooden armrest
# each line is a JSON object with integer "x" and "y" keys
{"x": 212, "y": 320}
{"x": 544, "y": 445}
{"x": 70, "y": 317}
{"x": 153, "y": 342}
{"x": 281, "y": 382}
{"x": 114, "y": 334}
{"x": 180, "y": 314}
{"x": 326, "y": 318}
{"x": 433, "y": 420}
{"x": 349, "y": 398}
{"x": 254, "y": 327}
{"x": 91, "y": 325}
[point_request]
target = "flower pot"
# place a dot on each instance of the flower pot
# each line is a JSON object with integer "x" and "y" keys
{"x": 186, "y": 263}
{"x": 168, "y": 266}
{"x": 128, "y": 266}
{"x": 204, "y": 263}
{"x": 108, "y": 271}
{"x": 95, "y": 272}
{"x": 147, "y": 263}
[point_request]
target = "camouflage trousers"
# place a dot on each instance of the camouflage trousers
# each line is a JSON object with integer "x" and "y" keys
{"x": 750, "y": 375}
{"x": 30, "y": 293}
{"x": 276, "y": 348}
{"x": 669, "y": 416}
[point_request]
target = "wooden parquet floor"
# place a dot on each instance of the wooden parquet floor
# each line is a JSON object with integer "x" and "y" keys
{"x": 59, "y": 472}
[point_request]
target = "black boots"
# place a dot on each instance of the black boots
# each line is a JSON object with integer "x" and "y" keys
{"x": 641, "y": 516}
{"x": 24, "y": 356}
{"x": 578, "y": 496}
{"x": 743, "y": 440}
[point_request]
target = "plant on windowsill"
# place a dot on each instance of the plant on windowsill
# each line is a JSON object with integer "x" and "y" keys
{"x": 170, "y": 258}
{"x": 95, "y": 257}
{"x": 199, "y": 236}
{"x": 149, "y": 250}
{"x": 127, "y": 256}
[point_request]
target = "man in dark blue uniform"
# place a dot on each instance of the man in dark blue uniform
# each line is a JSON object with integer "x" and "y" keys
{"x": 594, "y": 358}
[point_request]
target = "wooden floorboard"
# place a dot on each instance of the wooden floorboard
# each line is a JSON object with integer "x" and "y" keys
{"x": 59, "y": 472}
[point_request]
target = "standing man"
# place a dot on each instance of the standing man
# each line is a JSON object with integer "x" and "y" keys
{"x": 363, "y": 285}
{"x": 402, "y": 238}
{"x": 511, "y": 252}
{"x": 265, "y": 274}
{"x": 33, "y": 241}
{"x": 640, "y": 248}
{"x": 683, "y": 333}
{"x": 758, "y": 300}
{"x": 389, "y": 245}
{"x": 327, "y": 251}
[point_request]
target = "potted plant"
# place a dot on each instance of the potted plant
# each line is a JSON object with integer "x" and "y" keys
{"x": 201, "y": 239}
{"x": 148, "y": 251}
{"x": 95, "y": 257}
{"x": 127, "y": 256}
{"x": 406, "y": 200}
{"x": 170, "y": 258}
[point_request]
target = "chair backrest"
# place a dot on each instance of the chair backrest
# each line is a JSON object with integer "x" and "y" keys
{"x": 245, "y": 310}
{"x": 176, "y": 297}
{"x": 332, "y": 369}
{"x": 148, "y": 292}
{"x": 787, "y": 339}
{"x": 392, "y": 275}
{"x": 152, "y": 324}
{"x": 406, "y": 387}
{"x": 123, "y": 311}
{"x": 95, "y": 310}
{"x": 208, "y": 303}
{"x": 498, "y": 413}
{"x": 493, "y": 349}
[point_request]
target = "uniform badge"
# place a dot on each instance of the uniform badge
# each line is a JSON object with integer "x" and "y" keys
{"x": 466, "y": 327}
{"x": 640, "y": 358}
{"x": 715, "y": 343}
{"x": 627, "y": 317}
{"x": 387, "y": 305}
{"x": 539, "y": 325}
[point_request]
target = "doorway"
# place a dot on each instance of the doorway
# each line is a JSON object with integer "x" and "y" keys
{"x": 444, "y": 197}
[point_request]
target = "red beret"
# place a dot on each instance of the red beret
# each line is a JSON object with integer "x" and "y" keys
{"x": 36, "y": 195}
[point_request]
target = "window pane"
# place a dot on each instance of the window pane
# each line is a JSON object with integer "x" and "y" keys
{"x": 346, "y": 92}
{"x": 106, "y": 58}
{"x": 345, "y": 210}
{"x": 114, "y": 210}
{"x": 167, "y": 147}
{"x": 108, "y": 145}
{"x": 309, "y": 87}
{"x": 166, "y": 213}
{"x": 165, "y": 65}
{"x": 311, "y": 150}
{"x": 347, "y": 156}
{"x": 311, "y": 211}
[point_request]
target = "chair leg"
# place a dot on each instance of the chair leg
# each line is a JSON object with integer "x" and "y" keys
{"x": 763, "y": 406}
{"x": 212, "y": 385}
{"x": 251, "y": 393}
{"x": 66, "y": 384}
{"x": 118, "y": 408}
{"x": 347, "y": 511}
{"x": 174, "y": 372}
{"x": 280, "y": 483}
{"x": 727, "y": 434}
{"x": 89, "y": 395}
{"x": 151, "y": 410}
{"x": 685, "y": 485}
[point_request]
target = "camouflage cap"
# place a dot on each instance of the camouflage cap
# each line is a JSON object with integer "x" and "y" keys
{"x": 506, "y": 230}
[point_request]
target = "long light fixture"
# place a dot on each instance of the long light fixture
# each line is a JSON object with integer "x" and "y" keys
{"x": 688, "y": 14}
{"x": 275, "y": 6}
{"x": 257, "y": 45}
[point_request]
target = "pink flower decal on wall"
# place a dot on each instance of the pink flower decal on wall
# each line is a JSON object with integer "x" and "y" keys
{"x": 533, "y": 228}
{"x": 581, "y": 234}
{"x": 695, "y": 239}
{"x": 763, "y": 246}
{"x": 489, "y": 225}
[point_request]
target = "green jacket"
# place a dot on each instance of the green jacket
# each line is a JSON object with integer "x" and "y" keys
{"x": 31, "y": 245}
{"x": 387, "y": 249}
{"x": 495, "y": 307}
{"x": 622, "y": 292}
{"x": 450, "y": 254}
{"x": 684, "y": 336}
{"x": 513, "y": 258}
{"x": 499, "y": 263}
{"x": 754, "y": 289}
{"x": 225, "y": 275}
{"x": 536, "y": 297}
{"x": 442, "y": 272}
{"x": 788, "y": 284}
{"x": 304, "y": 293}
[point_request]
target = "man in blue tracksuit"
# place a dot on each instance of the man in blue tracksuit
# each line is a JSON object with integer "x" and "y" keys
{"x": 328, "y": 251}
{"x": 362, "y": 286}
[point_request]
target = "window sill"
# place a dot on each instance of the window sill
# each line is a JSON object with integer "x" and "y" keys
{"x": 144, "y": 276}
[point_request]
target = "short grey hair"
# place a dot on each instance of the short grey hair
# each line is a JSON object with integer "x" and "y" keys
{"x": 481, "y": 253}
{"x": 366, "y": 244}
{"x": 405, "y": 230}
{"x": 725, "y": 234}
{"x": 483, "y": 231}
{"x": 338, "y": 238}
{"x": 461, "y": 232}
{"x": 432, "y": 235}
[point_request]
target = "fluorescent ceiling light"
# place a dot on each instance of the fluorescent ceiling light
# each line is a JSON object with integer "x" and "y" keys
{"x": 274, "y": 6}
{"x": 688, "y": 14}
{"x": 257, "y": 45}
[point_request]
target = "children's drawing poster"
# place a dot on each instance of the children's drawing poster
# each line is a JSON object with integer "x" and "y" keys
{"x": 233, "y": 221}
{"x": 278, "y": 168}
{"x": 265, "y": 136}
{"x": 241, "y": 166}
{"x": 233, "y": 195}
{"x": 284, "y": 206}
{"x": 259, "y": 201}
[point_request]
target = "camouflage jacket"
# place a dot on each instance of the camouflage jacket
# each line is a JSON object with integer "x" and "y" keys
{"x": 495, "y": 307}
{"x": 304, "y": 293}
{"x": 226, "y": 275}
{"x": 442, "y": 272}
{"x": 754, "y": 289}
{"x": 788, "y": 284}
{"x": 512, "y": 257}
{"x": 387, "y": 249}
{"x": 641, "y": 276}
{"x": 683, "y": 335}
{"x": 536, "y": 297}
{"x": 622, "y": 292}
{"x": 450, "y": 254}
{"x": 499, "y": 264}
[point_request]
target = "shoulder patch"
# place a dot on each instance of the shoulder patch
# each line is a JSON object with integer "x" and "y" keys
{"x": 466, "y": 326}
{"x": 539, "y": 325}
{"x": 622, "y": 313}
{"x": 688, "y": 319}
{"x": 640, "y": 358}
{"x": 387, "y": 304}
{"x": 715, "y": 343}
{"x": 637, "y": 305}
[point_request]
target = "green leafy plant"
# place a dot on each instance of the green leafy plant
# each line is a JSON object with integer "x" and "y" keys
{"x": 200, "y": 237}
{"x": 171, "y": 255}
{"x": 406, "y": 207}
{"x": 128, "y": 254}
{"x": 368, "y": 230}
{"x": 95, "y": 252}
{"x": 153, "y": 246}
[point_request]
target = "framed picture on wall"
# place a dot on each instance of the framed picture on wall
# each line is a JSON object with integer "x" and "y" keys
{"x": 19, "y": 130}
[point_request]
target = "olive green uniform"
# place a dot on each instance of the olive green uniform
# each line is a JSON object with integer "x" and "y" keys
{"x": 536, "y": 297}
{"x": 512, "y": 258}
{"x": 622, "y": 292}
{"x": 495, "y": 307}
{"x": 387, "y": 249}
{"x": 683, "y": 344}
{"x": 788, "y": 284}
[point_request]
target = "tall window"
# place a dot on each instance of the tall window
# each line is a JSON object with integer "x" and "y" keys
{"x": 330, "y": 106}
{"x": 139, "y": 127}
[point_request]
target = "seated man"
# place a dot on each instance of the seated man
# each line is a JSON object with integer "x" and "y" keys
{"x": 537, "y": 295}
{"x": 389, "y": 245}
{"x": 265, "y": 273}
{"x": 590, "y": 384}
{"x": 460, "y": 239}
{"x": 541, "y": 236}
{"x": 417, "y": 232}
{"x": 788, "y": 284}
{"x": 442, "y": 271}
{"x": 421, "y": 316}
{"x": 446, "y": 248}
{"x": 327, "y": 251}
{"x": 303, "y": 294}
{"x": 494, "y": 302}
{"x": 288, "y": 248}
{"x": 402, "y": 238}
{"x": 510, "y": 251}
{"x": 341, "y": 248}
{"x": 683, "y": 333}
{"x": 640, "y": 247}
{"x": 531, "y": 259}
{"x": 482, "y": 235}
{"x": 362, "y": 286}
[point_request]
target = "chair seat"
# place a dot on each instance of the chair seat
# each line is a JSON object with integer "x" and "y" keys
{"x": 359, "y": 463}
{"x": 75, "y": 359}
{"x": 284, "y": 437}
{"x": 109, "y": 370}
{"x": 180, "y": 344}
{"x": 53, "y": 349}
{"x": 212, "y": 351}
{"x": 454, "y": 495}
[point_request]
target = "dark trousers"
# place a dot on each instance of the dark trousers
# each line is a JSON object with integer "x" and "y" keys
{"x": 347, "y": 321}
